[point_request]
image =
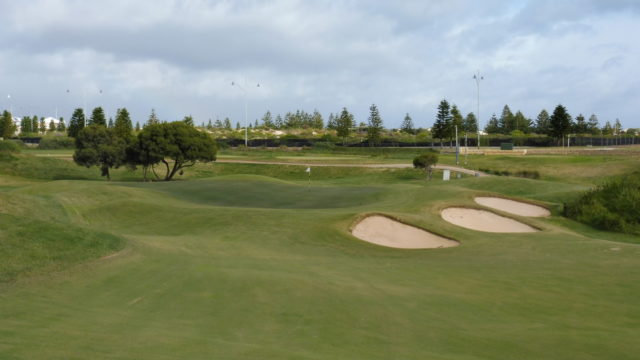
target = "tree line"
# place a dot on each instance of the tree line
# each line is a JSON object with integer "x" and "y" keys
{"x": 559, "y": 123}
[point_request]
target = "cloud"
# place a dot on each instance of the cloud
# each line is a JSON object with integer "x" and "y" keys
{"x": 181, "y": 56}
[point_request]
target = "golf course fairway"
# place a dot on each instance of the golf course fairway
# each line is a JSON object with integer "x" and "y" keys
{"x": 264, "y": 267}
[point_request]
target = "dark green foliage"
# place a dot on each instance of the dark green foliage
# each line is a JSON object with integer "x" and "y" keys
{"x": 8, "y": 146}
{"x": 61, "y": 125}
{"x": 374, "y": 128}
{"x": 542, "y": 123}
{"x": 34, "y": 124}
{"x": 25, "y": 125}
{"x": 178, "y": 142}
{"x": 97, "y": 145}
{"x": 98, "y": 117}
{"x": 580, "y": 126}
{"x": 593, "y": 126}
{"x": 344, "y": 123}
{"x": 456, "y": 121}
{"x": 493, "y": 126}
{"x": 613, "y": 206}
{"x": 188, "y": 120}
{"x": 153, "y": 118}
{"x": 506, "y": 121}
{"x": 442, "y": 127}
{"x": 43, "y": 126}
{"x": 529, "y": 174}
{"x": 470, "y": 124}
{"x": 7, "y": 127}
{"x": 77, "y": 123}
{"x": 56, "y": 142}
{"x": 560, "y": 122}
{"x": 426, "y": 161}
{"x": 123, "y": 127}
{"x": 407, "y": 125}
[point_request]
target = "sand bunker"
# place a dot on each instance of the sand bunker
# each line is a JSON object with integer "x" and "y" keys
{"x": 383, "y": 231}
{"x": 482, "y": 220}
{"x": 513, "y": 207}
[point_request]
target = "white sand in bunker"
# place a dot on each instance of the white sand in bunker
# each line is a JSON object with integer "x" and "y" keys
{"x": 383, "y": 231}
{"x": 513, "y": 207}
{"x": 482, "y": 220}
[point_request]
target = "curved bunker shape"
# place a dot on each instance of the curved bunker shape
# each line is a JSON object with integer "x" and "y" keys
{"x": 482, "y": 220}
{"x": 384, "y": 231}
{"x": 512, "y": 206}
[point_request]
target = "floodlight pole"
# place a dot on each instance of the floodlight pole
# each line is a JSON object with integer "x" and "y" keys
{"x": 246, "y": 107}
{"x": 477, "y": 77}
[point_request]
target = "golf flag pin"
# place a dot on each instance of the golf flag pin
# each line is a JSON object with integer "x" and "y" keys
{"x": 308, "y": 170}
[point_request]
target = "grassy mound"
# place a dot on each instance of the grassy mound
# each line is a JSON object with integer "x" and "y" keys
{"x": 613, "y": 206}
{"x": 31, "y": 247}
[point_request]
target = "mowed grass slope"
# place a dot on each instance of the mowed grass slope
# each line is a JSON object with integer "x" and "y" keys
{"x": 240, "y": 267}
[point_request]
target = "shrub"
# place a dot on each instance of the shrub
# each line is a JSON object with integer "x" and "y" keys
{"x": 613, "y": 206}
{"x": 8, "y": 146}
{"x": 57, "y": 142}
{"x": 426, "y": 161}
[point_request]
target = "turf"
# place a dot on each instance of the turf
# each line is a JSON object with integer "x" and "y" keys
{"x": 236, "y": 266}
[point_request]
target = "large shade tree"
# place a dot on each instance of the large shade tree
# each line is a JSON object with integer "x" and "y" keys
{"x": 176, "y": 145}
{"x": 97, "y": 145}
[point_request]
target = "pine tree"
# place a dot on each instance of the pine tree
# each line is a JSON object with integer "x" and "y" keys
{"x": 43, "y": 126}
{"x": 506, "y": 121}
{"x": 25, "y": 125}
{"x": 470, "y": 124}
{"x": 123, "y": 125}
{"x": 344, "y": 123}
{"x": 137, "y": 126}
{"x": 35, "y": 125}
{"x": 238, "y": 126}
{"x": 542, "y": 122}
{"x": 580, "y": 127}
{"x": 407, "y": 125}
{"x": 279, "y": 123}
{"x": 210, "y": 125}
{"x": 7, "y": 126}
{"x": 188, "y": 120}
{"x": 456, "y": 121}
{"x": 607, "y": 129}
{"x": 617, "y": 127}
{"x": 493, "y": 126}
{"x": 110, "y": 123}
{"x": 52, "y": 126}
{"x": 76, "y": 123}
{"x": 61, "y": 125}
{"x": 374, "y": 128}
{"x": 267, "y": 120}
{"x": 153, "y": 118}
{"x": 560, "y": 122}
{"x": 441, "y": 128}
{"x": 255, "y": 124}
{"x": 331, "y": 122}
{"x": 227, "y": 123}
{"x": 317, "y": 122}
{"x": 593, "y": 126}
{"x": 521, "y": 123}
{"x": 97, "y": 117}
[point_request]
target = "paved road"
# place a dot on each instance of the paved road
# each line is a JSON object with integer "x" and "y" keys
{"x": 388, "y": 166}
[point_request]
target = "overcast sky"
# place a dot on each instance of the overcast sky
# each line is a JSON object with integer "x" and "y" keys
{"x": 180, "y": 57}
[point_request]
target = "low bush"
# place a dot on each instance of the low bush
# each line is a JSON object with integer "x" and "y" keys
{"x": 56, "y": 142}
{"x": 613, "y": 206}
{"x": 9, "y": 146}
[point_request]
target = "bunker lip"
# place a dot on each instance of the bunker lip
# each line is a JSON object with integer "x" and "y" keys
{"x": 512, "y": 206}
{"x": 483, "y": 220}
{"x": 385, "y": 231}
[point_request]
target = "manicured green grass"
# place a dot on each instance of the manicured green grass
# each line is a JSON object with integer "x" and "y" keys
{"x": 262, "y": 266}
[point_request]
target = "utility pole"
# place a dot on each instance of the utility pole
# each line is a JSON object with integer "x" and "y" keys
{"x": 246, "y": 107}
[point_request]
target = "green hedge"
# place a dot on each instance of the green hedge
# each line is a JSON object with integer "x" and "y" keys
{"x": 56, "y": 142}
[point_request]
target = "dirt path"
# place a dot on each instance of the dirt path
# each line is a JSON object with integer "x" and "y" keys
{"x": 387, "y": 166}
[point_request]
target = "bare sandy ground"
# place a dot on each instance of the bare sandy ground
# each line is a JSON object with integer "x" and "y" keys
{"x": 383, "y": 231}
{"x": 482, "y": 220}
{"x": 513, "y": 207}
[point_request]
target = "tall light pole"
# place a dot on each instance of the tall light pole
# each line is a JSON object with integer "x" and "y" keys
{"x": 246, "y": 106}
{"x": 478, "y": 78}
